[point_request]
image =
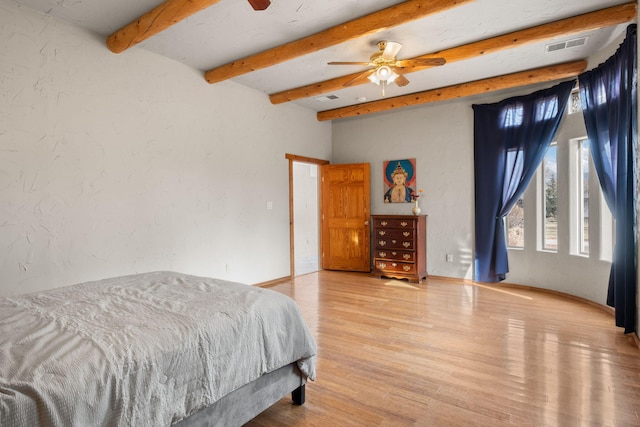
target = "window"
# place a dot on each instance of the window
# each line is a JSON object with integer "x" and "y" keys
{"x": 566, "y": 183}
{"x": 583, "y": 197}
{"x": 550, "y": 199}
{"x": 512, "y": 115}
{"x": 590, "y": 219}
{"x": 607, "y": 230}
{"x": 514, "y": 223}
{"x": 574, "y": 106}
{"x": 547, "y": 109}
{"x": 515, "y": 226}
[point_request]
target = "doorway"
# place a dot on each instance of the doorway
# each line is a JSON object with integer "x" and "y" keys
{"x": 304, "y": 213}
{"x": 306, "y": 223}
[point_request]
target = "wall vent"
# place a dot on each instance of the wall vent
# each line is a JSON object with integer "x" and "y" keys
{"x": 567, "y": 44}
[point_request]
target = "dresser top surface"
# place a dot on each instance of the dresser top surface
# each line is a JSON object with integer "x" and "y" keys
{"x": 398, "y": 216}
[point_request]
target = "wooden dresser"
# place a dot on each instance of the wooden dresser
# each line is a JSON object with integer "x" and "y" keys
{"x": 400, "y": 246}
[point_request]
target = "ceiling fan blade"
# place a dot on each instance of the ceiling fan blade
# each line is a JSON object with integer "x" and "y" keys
{"x": 364, "y": 64}
{"x": 401, "y": 80}
{"x": 362, "y": 76}
{"x": 391, "y": 50}
{"x": 417, "y": 62}
{"x": 259, "y": 4}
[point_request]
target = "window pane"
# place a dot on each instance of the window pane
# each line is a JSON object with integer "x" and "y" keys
{"x": 547, "y": 109}
{"x": 574, "y": 105}
{"x": 512, "y": 115}
{"x": 550, "y": 180}
{"x": 583, "y": 190}
{"x": 515, "y": 226}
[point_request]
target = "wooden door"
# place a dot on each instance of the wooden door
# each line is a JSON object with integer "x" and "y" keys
{"x": 345, "y": 217}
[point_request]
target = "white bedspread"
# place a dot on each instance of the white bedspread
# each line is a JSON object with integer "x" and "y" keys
{"x": 142, "y": 350}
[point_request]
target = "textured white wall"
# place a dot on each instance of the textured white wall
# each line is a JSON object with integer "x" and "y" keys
{"x": 440, "y": 138}
{"x": 117, "y": 164}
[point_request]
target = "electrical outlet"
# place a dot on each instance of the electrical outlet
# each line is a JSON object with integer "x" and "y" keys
{"x": 449, "y": 257}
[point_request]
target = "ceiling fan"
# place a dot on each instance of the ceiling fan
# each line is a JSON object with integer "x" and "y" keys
{"x": 385, "y": 68}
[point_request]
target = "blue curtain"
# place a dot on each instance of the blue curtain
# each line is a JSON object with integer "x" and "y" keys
{"x": 609, "y": 102}
{"x": 510, "y": 140}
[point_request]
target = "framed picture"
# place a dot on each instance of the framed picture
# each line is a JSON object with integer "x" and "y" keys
{"x": 399, "y": 180}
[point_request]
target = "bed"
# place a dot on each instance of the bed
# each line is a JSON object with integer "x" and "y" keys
{"x": 153, "y": 349}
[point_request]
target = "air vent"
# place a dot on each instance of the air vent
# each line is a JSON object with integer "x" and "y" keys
{"x": 576, "y": 42}
{"x": 556, "y": 46}
{"x": 566, "y": 44}
{"x": 325, "y": 98}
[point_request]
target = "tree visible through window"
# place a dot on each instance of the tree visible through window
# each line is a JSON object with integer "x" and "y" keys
{"x": 515, "y": 225}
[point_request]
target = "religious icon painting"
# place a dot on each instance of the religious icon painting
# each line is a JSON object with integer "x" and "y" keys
{"x": 399, "y": 180}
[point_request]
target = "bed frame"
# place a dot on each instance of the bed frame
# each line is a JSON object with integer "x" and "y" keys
{"x": 242, "y": 405}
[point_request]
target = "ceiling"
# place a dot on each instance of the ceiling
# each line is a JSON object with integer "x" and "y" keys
{"x": 506, "y": 37}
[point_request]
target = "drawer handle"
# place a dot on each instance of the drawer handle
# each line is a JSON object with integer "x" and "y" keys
{"x": 383, "y": 254}
{"x": 384, "y": 222}
{"x": 394, "y": 241}
{"x": 406, "y": 244}
{"x": 406, "y": 268}
{"x": 406, "y": 256}
{"x": 382, "y": 232}
{"x": 406, "y": 234}
{"x": 394, "y": 264}
{"x": 382, "y": 242}
{"x": 404, "y": 223}
{"x": 382, "y": 265}
{"x": 394, "y": 253}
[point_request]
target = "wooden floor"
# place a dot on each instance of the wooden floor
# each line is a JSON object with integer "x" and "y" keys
{"x": 448, "y": 353}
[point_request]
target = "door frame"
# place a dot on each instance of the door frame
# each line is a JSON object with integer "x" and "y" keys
{"x": 301, "y": 159}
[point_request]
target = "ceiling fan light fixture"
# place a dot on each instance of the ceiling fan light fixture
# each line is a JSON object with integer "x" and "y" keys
{"x": 385, "y": 73}
{"x": 393, "y": 77}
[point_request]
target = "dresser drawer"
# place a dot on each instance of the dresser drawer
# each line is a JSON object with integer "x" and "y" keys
{"x": 395, "y": 267}
{"x": 393, "y": 255}
{"x": 390, "y": 243}
{"x": 392, "y": 233}
{"x": 394, "y": 223}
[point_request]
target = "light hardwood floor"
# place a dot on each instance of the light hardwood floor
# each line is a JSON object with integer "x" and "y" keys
{"x": 448, "y": 353}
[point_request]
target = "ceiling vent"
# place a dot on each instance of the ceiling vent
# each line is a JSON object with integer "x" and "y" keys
{"x": 325, "y": 98}
{"x": 566, "y": 44}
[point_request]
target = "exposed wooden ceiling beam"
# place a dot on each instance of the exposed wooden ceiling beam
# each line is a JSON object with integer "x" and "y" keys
{"x": 158, "y": 19}
{"x": 392, "y": 16}
{"x": 586, "y": 22}
{"x": 538, "y": 75}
